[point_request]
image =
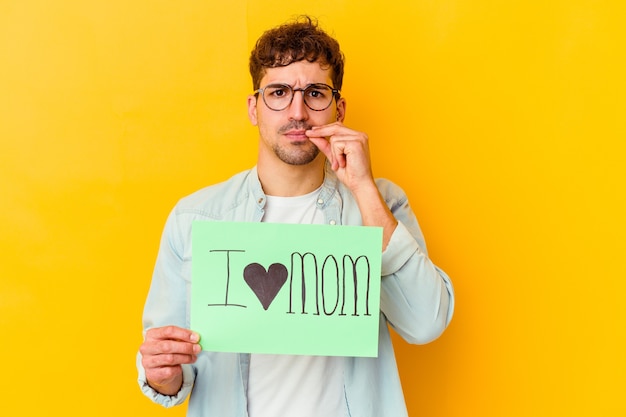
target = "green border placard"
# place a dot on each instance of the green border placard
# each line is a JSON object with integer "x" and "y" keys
{"x": 286, "y": 289}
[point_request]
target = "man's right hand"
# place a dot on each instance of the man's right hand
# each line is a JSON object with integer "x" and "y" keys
{"x": 163, "y": 351}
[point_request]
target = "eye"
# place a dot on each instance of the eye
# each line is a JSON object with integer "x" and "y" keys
{"x": 317, "y": 92}
{"x": 277, "y": 91}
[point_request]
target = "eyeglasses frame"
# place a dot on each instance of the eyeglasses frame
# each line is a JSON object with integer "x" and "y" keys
{"x": 336, "y": 94}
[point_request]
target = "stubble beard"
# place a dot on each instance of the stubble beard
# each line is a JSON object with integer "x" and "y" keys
{"x": 299, "y": 153}
{"x": 305, "y": 153}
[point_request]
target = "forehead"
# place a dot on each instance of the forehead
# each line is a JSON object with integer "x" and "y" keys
{"x": 298, "y": 74}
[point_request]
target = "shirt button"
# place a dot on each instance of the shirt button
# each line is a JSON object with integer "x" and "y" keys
{"x": 260, "y": 200}
{"x": 332, "y": 222}
{"x": 320, "y": 201}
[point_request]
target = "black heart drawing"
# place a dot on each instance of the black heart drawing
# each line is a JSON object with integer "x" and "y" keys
{"x": 265, "y": 285}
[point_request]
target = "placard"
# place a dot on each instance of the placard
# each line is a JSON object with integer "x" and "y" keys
{"x": 285, "y": 288}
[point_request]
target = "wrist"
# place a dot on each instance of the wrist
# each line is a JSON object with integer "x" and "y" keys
{"x": 365, "y": 190}
{"x": 170, "y": 388}
{"x": 375, "y": 212}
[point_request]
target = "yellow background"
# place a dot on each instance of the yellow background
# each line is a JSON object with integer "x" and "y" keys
{"x": 503, "y": 120}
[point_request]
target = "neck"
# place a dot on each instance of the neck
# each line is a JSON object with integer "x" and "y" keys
{"x": 284, "y": 180}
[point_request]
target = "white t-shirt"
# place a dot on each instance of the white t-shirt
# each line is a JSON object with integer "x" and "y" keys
{"x": 295, "y": 385}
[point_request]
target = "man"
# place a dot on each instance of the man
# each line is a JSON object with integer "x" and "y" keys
{"x": 310, "y": 169}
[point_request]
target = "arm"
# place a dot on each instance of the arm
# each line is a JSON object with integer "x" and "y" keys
{"x": 416, "y": 296}
{"x": 165, "y": 358}
{"x": 348, "y": 153}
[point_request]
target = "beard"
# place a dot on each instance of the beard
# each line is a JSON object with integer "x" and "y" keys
{"x": 300, "y": 153}
{"x": 304, "y": 153}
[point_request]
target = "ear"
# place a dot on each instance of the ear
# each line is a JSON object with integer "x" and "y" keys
{"x": 341, "y": 109}
{"x": 252, "y": 102}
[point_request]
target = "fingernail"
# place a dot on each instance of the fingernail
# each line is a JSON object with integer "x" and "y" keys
{"x": 197, "y": 348}
{"x": 195, "y": 337}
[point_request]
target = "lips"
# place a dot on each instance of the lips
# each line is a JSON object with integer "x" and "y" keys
{"x": 297, "y": 135}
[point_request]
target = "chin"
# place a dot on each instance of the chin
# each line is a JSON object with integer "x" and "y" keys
{"x": 303, "y": 157}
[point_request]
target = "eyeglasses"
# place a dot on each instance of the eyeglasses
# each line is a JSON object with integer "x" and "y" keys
{"x": 317, "y": 97}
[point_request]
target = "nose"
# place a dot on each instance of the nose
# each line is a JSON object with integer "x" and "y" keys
{"x": 298, "y": 109}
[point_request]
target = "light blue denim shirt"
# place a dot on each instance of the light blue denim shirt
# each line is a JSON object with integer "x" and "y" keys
{"x": 416, "y": 299}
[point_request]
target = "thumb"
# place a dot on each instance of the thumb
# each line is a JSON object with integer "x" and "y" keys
{"x": 323, "y": 145}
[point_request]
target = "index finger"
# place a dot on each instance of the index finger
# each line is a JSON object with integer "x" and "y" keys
{"x": 324, "y": 130}
{"x": 172, "y": 333}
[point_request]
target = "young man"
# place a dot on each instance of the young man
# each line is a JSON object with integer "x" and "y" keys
{"x": 310, "y": 169}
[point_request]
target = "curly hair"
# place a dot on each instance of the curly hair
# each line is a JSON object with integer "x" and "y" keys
{"x": 295, "y": 41}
